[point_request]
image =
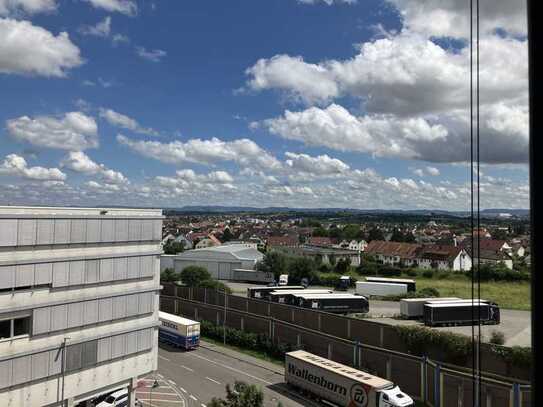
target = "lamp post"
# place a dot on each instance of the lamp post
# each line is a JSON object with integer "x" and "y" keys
{"x": 224, "y": 320}
{"x": 63, "y": 366}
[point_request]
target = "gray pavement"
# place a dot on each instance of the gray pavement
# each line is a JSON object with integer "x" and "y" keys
{"x": 201, "y": 374}
{"x": 515, "y": 325}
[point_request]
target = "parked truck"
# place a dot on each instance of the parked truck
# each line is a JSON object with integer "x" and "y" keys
{"x": 341, "y": 385}
{"x": 286, "y": 296}
{"x": 178, "y": 331}
{"x": 337, "y": 303}
{"x": 411, "y": 284}
{"x": 283, "y": 279}
{"x": 461, "y": 313}
{"x": 413, "y": 308}
{"x": 367, "y": 288}
{"x": 263, "y": 292}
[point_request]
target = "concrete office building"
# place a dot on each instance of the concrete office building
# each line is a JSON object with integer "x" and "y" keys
{"x": 78, "y": 302}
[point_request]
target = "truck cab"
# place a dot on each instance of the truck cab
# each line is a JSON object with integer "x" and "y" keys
{"x": 283, "y": 279}
{"x": 344, "y": 283}
{"x": 394, "y": 398}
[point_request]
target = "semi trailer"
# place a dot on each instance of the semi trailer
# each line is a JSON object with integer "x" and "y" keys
{"x": 263, "y": 293}
{"x": 178, "y": 331}
{"x": 286, "y": 296}
{"x": 414, "y": 307}
{"x": 411, "y": 284}
{"x": 336, "y": 303}
{"x": 380, "y": 289}
{"x": 340, "y": 385}
{"x": 461, "y": 313}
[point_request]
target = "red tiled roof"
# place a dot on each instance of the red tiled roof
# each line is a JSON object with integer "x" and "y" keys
{"x": 283, "y": 241}
{"x": 403, "y": 250}
{"x": 320, "y": 241}
{"x": 440, "y": 252}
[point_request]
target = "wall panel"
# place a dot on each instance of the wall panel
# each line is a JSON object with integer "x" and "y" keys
{"x": 62, "y": 231}
{"x": 134, "y": 266}
{"x": 46, "y": 229}
{"x": 59, "y": 317}
{"x": 120, "y": 266}
{"x": 8, "y": 232}
{"x": 119, "y": 307}
{"x": 107, "y": 232}
{"x": 43, "y": 273}
{"x": 121, "y": 230}
{"x": 40, "y": 365}
{"x": 106, "y": 269}
{"x": 78, "y": 231}
{"x": 90, "y": 312}
{"x": 77, "y": 272}
{"x": 26, "y": 234}
{"x": 92, "y": 232}
{"x": 92, "y": 271}
{"x": 134, "y": 230}
{"x": 60, "y": 274}
{"x": 105, "y": 311}
{"x": 75, "y": 314}
{"x": 21, "y": 370}
{"x": 41, "y": 320}
{"x": 7, "y": 276}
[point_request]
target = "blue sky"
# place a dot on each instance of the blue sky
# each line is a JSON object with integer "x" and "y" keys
{"x": 264, "y": 103}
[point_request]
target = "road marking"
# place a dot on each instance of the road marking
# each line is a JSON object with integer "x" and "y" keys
{"x": 161, "y": 401}
{"x": 212, "y": 380}
{"x": 162, "y": 357}
{"x": 194, "y": 398}
{"x": 183, "y": 390}
{"x": 187, "y": 368}
{"x": 172, "y": 382}
{"x": 232, "y": 369}
{"x": 156, "y": 392}
{"x": 203, "y": 405}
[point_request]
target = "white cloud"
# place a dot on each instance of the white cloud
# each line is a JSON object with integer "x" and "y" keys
{"x": 419, "y": 172}
{"x": 18, "y": 7}
{"x": 322, "y": 165}
{"x": 16, "y": 165}
{"x": 75, "y": 131}
{"x": 102, "y": 188}
{"x": 504, "y": 133}
{"x": 120, "y": 39}
{"x": 26, "y": 49}
{"x": 406, "y": 74}
{"x": 450, "y": 18}
{"x": 308, "y": 82}
{"x": 126, "y": 7}
{"x": 432, "y": 171}
{"x": 245, "y": 152}
{"x": 120, "y": 120}
{"x": 154, "y": 55}
{"x": 80, "y": 162}
{"x": 101, "y": 29}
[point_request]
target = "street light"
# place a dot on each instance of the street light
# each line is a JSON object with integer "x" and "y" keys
{"x": 224, "y": 319}
{"x": 63, "y": 365}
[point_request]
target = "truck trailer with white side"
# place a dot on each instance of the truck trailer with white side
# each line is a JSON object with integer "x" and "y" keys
{"x": 380, "y": 289}
{"x": 337, "y": 303}
{"x": 286, "y": 296}
{"x": 340, "y": 384}
{"x": 411, "y": 284}
{"x": 263, "y": 292}
{"x": 178, "y": 331}
{"x": 461, "y": 313}
{"x": 414, "y": 307}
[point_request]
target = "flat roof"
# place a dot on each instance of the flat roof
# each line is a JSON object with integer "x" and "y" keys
{"x": 343, "y": 370}
{"x": 280, "y": 287}
{"x": 376, "y": 283}
{"x": 399, "y": 280}
{"x": 330, "y": 295}
{"x": 70, "y": 210}
{"x": 458, "y": 300}
{"x": 429, "y": 299}
{"x": 454, "y": 304}
{"x": 306, "y": 291}
{"x": 176, "y": 318}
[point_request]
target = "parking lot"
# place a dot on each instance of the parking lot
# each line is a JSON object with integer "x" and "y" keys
{"x": 166, "y": 394}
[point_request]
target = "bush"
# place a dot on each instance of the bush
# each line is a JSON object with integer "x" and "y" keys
{"x": 192, "y": 276}
{"x": 411, "y": 273}
{"x": 497, "y": 338}
{"x": 214, "y": 284}
{"x": 428, "y": 273}
{"x": 390, "y": 271}
{"x": 428, "y": 292}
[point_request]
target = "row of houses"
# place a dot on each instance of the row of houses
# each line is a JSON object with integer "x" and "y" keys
{"x": 441, "y": 257}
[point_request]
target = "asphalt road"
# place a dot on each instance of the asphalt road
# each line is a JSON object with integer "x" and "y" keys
{"x": 199, "y": 375}
{"x": 515, "y": 325}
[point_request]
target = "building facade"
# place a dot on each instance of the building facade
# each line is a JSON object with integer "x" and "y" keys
{"x": 78, "y": 302}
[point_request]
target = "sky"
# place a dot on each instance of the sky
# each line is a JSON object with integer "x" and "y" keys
{"x": 301, "y": 103}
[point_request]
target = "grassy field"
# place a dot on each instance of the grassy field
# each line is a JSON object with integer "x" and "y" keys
{"x": 506, "y": 294}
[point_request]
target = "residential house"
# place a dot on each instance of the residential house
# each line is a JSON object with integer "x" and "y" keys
{"x": 444, "y": 257}
{"x": 393, "y": 253}
{"x": 326, "y": 255}
{"x": 279, "y": 241}
{"x": 209, "y": 241}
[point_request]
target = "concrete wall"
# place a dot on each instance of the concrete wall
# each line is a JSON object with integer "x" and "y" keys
{"x": 86, "y": 279}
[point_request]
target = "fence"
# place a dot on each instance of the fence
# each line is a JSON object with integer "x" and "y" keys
{"x": 366, "y": 345}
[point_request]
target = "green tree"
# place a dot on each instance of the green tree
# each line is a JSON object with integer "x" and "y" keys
{"x": 169, "y": 275}
{"x": 375, "y": 234}
{"x": 242, "y": 395}
{"x": 227, "y": 235}
{"x": 397, "y": 236}
{"x": 343, "y": 266}
{"x": 194, "y": 275}
{"x": 319, "y": 231}
{"x": 335, "y": 232}
{"x": 273, "y": 262}
{"x": 301, "y": 267}
{"x": 351, "y": 232}
{"x": 173, "y": 247}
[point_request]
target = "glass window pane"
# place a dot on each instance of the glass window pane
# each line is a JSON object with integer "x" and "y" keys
{"x": 5, "y": 329}
{"x": 21, "y": 326}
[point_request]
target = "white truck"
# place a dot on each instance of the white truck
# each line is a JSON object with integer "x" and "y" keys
{"x": 367, "y": 289}
{"x": 283, "y": 279}
{"x": 340, "y": 384}
{"x": 414, "y": 307}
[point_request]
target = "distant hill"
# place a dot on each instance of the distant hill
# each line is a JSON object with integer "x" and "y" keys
{"x": 282, "y": 209}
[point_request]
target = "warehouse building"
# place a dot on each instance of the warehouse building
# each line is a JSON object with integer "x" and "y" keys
{"x": 78, "y": 302}
{"x": 220, "y": 261}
